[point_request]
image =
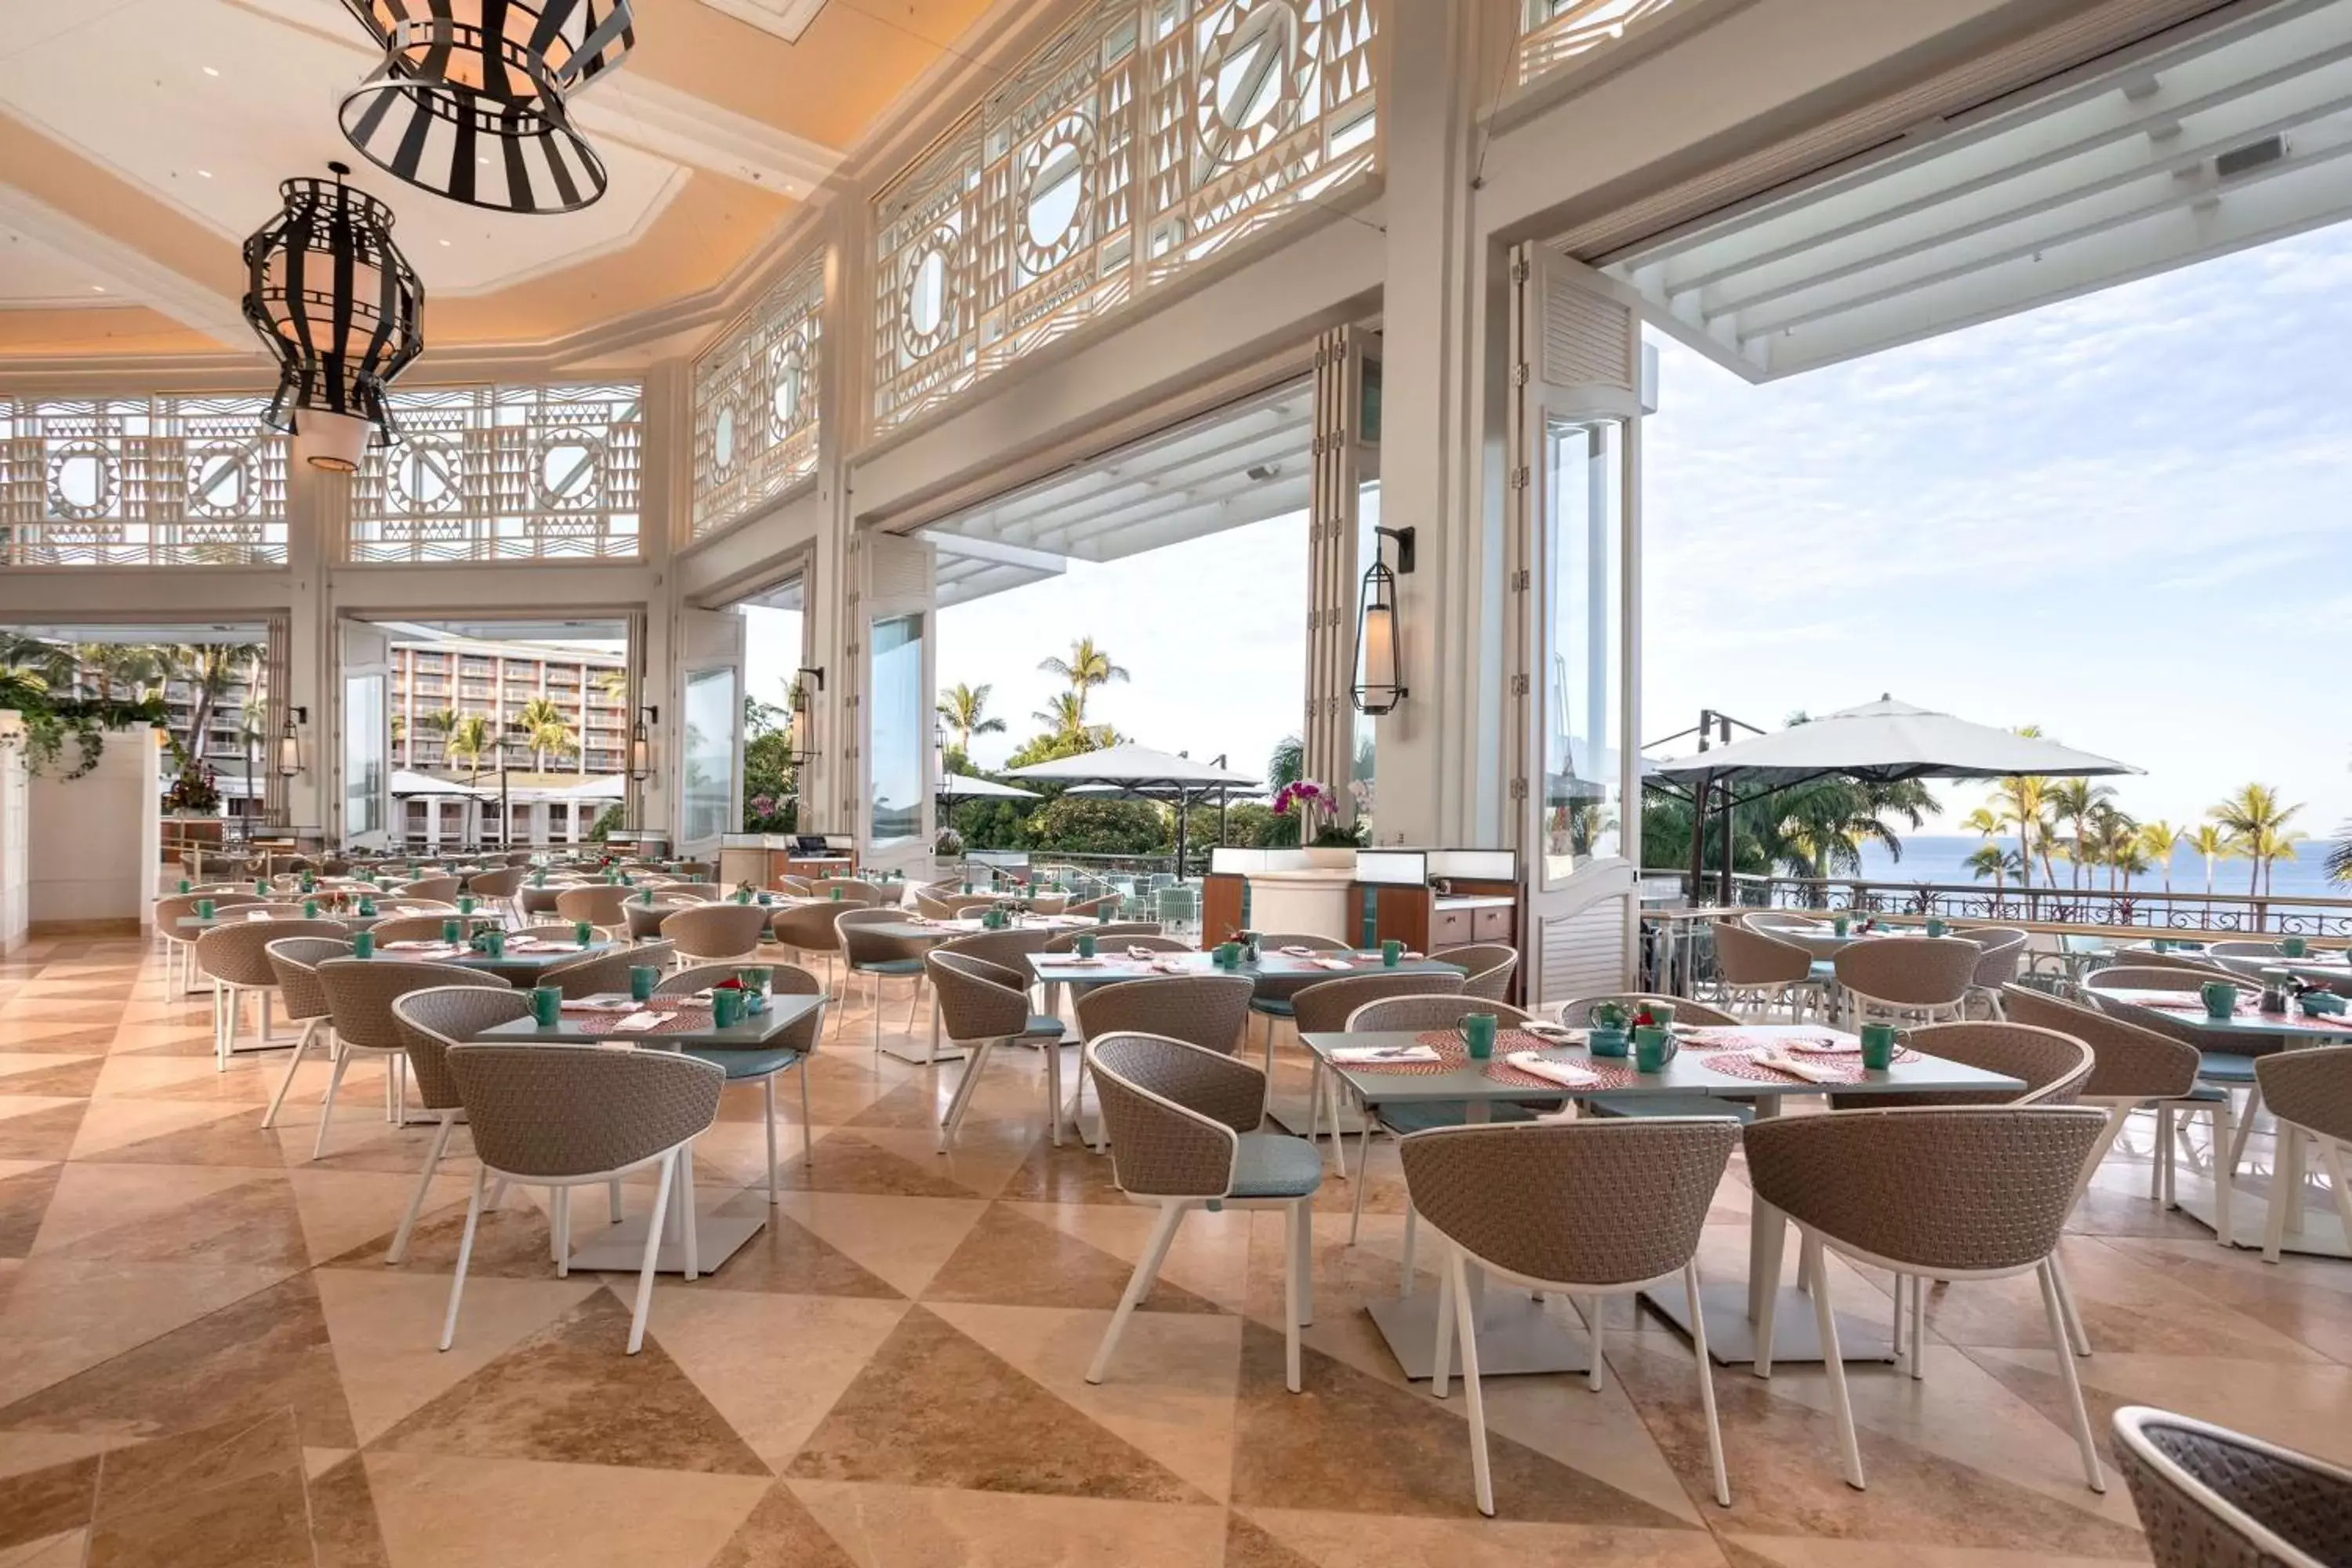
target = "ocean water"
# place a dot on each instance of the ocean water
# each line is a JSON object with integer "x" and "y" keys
{"x": 1943, "y": 858}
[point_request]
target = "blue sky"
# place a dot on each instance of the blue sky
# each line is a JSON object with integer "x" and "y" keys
{"x": 2123, "y": 518}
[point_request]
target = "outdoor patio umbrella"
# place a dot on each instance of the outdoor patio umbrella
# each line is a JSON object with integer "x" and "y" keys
{"x": 1142, "y": 772}
{"x": 972, "y": 786}
{"x": 1884, "y": 742}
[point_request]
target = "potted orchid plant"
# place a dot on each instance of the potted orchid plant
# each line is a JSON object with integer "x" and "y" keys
{"x": 1309, "y": 798}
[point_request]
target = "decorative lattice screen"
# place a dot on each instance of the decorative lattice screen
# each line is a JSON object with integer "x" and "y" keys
{"x": 140, "y": 481}
{"x": 756, "y": 402}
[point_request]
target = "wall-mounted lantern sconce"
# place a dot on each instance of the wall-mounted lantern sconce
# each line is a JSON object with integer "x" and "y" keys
{"x": 804, "y": 753}
{"x": 1378, "y": 662}
{"x": 641, "y": 745}
{"x": 289, "y": 743}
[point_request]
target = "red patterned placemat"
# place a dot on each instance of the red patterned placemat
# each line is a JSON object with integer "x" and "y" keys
{"x": 1846, "y": 1069}
{"x": 1611, "y": 1074}
{"x": 687, "y": 1017}
{"x": 1448, "y": 1044}
{"x": 1722, "y": 1038}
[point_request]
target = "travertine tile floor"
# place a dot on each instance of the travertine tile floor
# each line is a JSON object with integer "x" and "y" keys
{"x": 204, "y": 1359}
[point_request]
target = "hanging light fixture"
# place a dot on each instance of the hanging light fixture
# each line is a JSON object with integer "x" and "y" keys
{"x": 289, "y": 743}
{"x": 1378, "y": 672}
{"x": 341, "y": 309}
{"x": 641, "y": 745}
{"x": 468, "y": 102}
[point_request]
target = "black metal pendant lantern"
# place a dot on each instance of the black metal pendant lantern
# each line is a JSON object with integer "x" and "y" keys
{"x": 341, "y": 310}
{"x": 1379, "y": 673}
{"x": 468, "y": 102}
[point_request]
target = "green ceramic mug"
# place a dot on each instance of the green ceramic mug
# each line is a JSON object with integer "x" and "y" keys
{"x": 642, "y": 978}
{"x": 1391, "y": 954}
{"x": 1838, "y": 923}
{"x": 1478, "y": 1034}
{"x": 363, "y": 944}
{"x": 1877, "y": 1047}
{"x": 206, "y": 908}
{"x": 185, "y": 885}
{"x": 309, "y": 908}
{"x": 466, "y": 903}
{"x": 1086, "y": 945}
{"x": 2293, "y": 946}
{"x": 546, "y": 1006}
{"x": 1654, "y": 1047}
{"x": 582, "y": 933}
{"x": 1605, "y": 1041}
{"x": 453, "y": 931}
{"x": 492, "y": 943}
{"x": 726, "y": 1007}
{"x": 2220, "y": 998}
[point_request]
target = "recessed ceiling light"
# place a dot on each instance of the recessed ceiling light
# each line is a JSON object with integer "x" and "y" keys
{"x": 211, "y": 70}
{"x": 204, "y": 173}
{"x": 445, "y": 242}
{"x": 98, "y": 287}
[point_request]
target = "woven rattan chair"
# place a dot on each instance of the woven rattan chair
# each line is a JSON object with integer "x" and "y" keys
{"x": 2310, "y": 1095}
{"x": 540, "y": 898}
{"x": 879, "y": 957}
{"x": 2001, "y": 950}
{"x": 852, "y": 890}
{"x": 2203, "y": 963}
{"x": 603, "y": 973}
{"x": 411, "y": 928}
{"x": 931, "y": 907}
{"x": 1272, "y": 1001}
{"x": 1577, "y": 1015}
{"x": 1324, "y": 1008}
{"x": 1116, "y": 934}
{"x": 789, "y": 1048}
{"x": 803, "y": 930}
{"x": 2225, "y": 1061}
{"x": 360, "y": 994}
{"x": 1092, "y": 909}
{"x": 178, "y": 948}
{"x": 794, "y": 886}
{"x": 600, "y": 905}
{"x": 647, "y": 907}
{"x": 430, "y": 1023}
{"x": 439, "y": 890}
{"x": 1950, "y": 1193}
{"x": 1183, "y": 1136}
{"x": 237, "y": 959}
{"x": 1209, "y": 1011}
{"x": 716, "y": 933}
{"x": 567, "y": 1116}
{"x": 2211, "y": 1498}
{"x": 1583, "y": 1209}
{"x": 498, "y": 887}
{"x": 1759, "y": 968}
{"x": 294, "y": 960}
{"x": 1906, "y": 977}
{"x": 984, "y": 1006}
{"x": 1488, "y": 965}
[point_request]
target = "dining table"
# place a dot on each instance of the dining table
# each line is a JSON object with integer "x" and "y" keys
{"x": 1710, "y": 1065}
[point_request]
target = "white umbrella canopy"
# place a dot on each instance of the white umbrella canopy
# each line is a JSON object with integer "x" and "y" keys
{"x": 1885, "y": 741}
{"x": 407, "y": 783}
{"x": 972, "y": 786}
{"x": 1136, "y": 767}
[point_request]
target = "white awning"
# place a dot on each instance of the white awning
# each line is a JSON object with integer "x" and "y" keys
{"x": 1884, "y": 742}
{"x": 1138, "y": 768}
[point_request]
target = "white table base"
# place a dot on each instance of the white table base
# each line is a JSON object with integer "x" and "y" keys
{"x": 2314, "y": 1232}
{"x": 621, "y": 1248}
{"x": 1519, "y": 1336}
{"x": 1731, "y": 1338}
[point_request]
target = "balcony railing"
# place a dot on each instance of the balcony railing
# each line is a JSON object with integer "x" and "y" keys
{"x": 2152, "y": 909}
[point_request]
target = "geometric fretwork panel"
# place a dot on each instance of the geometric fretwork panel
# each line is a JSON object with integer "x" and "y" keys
{"x": 140, "y": 481}
{"x": 504, "y": 473}
{"x": 1553, "y": 33}
{"x": 756, "y": 402}
{"x": 1150, "y": 136}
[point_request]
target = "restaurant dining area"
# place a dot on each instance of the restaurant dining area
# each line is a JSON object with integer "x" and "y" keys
{"x": 547, "y": 1018}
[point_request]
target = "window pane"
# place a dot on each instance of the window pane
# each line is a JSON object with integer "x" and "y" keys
{"x": 365, "y": 745}
{"x": 901, "y": 730}
{"x": 1583, "y": 728}
{"x": 711, "y": 715}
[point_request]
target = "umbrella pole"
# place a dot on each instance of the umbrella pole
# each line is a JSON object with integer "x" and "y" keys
{"x": 1698, "y": 837}
{"x": 1180, "y": 836}
{"x": 1730, "y": 856}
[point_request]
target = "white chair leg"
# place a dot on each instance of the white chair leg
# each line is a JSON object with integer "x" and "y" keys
{"x": 1305, "y": 1313}
{"x": 424, "y": 1184}
{"x": 1053, "y": 1087}
{"x": 808, "y": 1129}
{"x": 1918, "y": 1328}
{"x": 2285, "y": 1162}
{"x": 768, "y": 1094}
{"x": 963, "y": 1101}
{"x": 2083, "y": 1438}
{"x": 2076, "y": 1335}
{"x": 1293, "y": 1215}
{"x": 1138, "y": 1285}
{"x": 1443, "y": 1356}
{"x": 1361, "y": 1180}
{"x": 1706, "y": 1384}
{"x": 2223, "y": 1141}
{"x": 1465, "y": 1324}
{"x": 686, "y": 1219}
{"x": 2161, "y": 1155}
{"x": 302, "y": 1049}
{"x": 559, "y": 1230}
{"x": 653, "y": 1254}
{"x": 327, "y": 1108}
{"x": 465, "y": 1256}
{"x": 1841, "y": 1403}
{"x": 2245, "y": 1127}
{"x": 1595, "y": 1376}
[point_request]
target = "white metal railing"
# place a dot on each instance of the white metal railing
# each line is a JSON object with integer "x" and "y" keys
{"x": 1556, "y": 33}
{"x": 504, "y": 473}
{"x": 756, "y": 400}
{"x": 140, "y": 481}
{"x": 1148, "y": 137}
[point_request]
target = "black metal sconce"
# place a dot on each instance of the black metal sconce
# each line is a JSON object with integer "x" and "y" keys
{"x": 641, "y": 744}
{"x": 289, "y": 743}
{"x": 1378, "y": 663}
{"x": 803, "y": 753}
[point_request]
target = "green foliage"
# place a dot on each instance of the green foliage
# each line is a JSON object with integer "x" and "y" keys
{"x": 50, "y": 720}
{"x": 1082, "y": 825}
{"x": 1067, "y": 743}
{"x": 1811, "y": 830}
{"x": 606, "y": 822}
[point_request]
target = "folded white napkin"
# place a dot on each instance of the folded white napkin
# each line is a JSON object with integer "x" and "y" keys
{"x": 1333, "y": 963}
{"x": 1074, "y": 958}
{"x": 419, "y": 945}
{"x": 603, "y": 1002}
{"x": 258, "y": 915}
{"x": 1167, "y": 966}
{"x": 1826, "y": 1046}
{"x": 1360, "y": 1055}
{"x": 1779, "y": 1062}
{"x": 1299, "y": 952}
{"x": 1140, "y": 953}
{"x": 1551, "y": 1031}
{"x": 1560, "y": 1073}
{"x": 636, "y": 1023}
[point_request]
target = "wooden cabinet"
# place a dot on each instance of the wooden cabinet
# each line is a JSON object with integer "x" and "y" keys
{"x": 1452, "y": 928}
{"x": 1492, "y": 924}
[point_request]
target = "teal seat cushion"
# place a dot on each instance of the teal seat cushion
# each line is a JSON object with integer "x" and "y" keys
{"x": 2206, "y": 1093}
{"x": 1670, "y": 1105}
{"x": 1273, "y": 1007}
{"x": 1275, "y": 1165}
{"x": 2226, "y": 1067}
{"x": 1043, "y": 1024}
{"x": 738, "y": 1064}
{"x": 890, "y": 966}
{"x": 1420, "y": 1118}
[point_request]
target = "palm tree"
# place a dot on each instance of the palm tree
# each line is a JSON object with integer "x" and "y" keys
{"x": 2213, "y": 845}
{"x": 1087, "y": 668}
{"x": 2073, "y": 800}
{"x": 2339, "y": 855}
{"x": 210, "y": 668}
{"x": 1288, "y": 763}
{"x": 1992, "y": 861}
{"x": 965, "y": 710}
{"x": 116, "y": 663}
{"x": 1821, "y": 826}
{"x": 470, "y": 739}
{"x": 2256, "y": 822}
{"x": 2157, "y": 840}
{"x": 2024, "y": 803}
{"x": 1064, "y": 716}
{"x": 544, "y": 726}
{"x": 2107, "y": 839}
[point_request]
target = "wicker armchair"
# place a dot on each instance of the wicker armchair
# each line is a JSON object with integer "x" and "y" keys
{"x": 805, "y": 929}
{"x": 879, "y": 957}
{"x": 1211, "y": 1011}
{"x": 785, "y": 1050}
{"x": 2001, "y": 950}
{"x": 1121, "y": 933}
{"x": 1577, "y": 1014}
{"x": 1762, "y": 967}
{"x": 566, "y": 1116}
{"x": 2310, "y": 1094}
{"x": 600, "y": 905}
{"x": 931, "y": 907}
{"x": 1925, "y": 977}
{"x": 430, "y": 1023}
{"x": 1487, "y": 967}
{"x": 439, "y": 890}
{"x": 498, "y": 887}
{"x": 1091, "y": 908}
{"x": 1583, "y": 1209}
{"x": 604, "y": 972}
{"x": 714, "y": 934}
{"x": 360, "y": 994}
{"x": 981, "y": 1006}
{"x": 412, "y": 928}
{"x": 2211, "y": 1498}
{"x": 1324, "y": 1008}
{"x": 1183, "y": 1136}
{"x": 851, "y": 890}
{"x": 294, "y": 960}
{"x": 1932, "y": 1191}
{"x": 2224, "y": 1060}
{"x": 236, "y": 958}
{"x": 643, "y": 915}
